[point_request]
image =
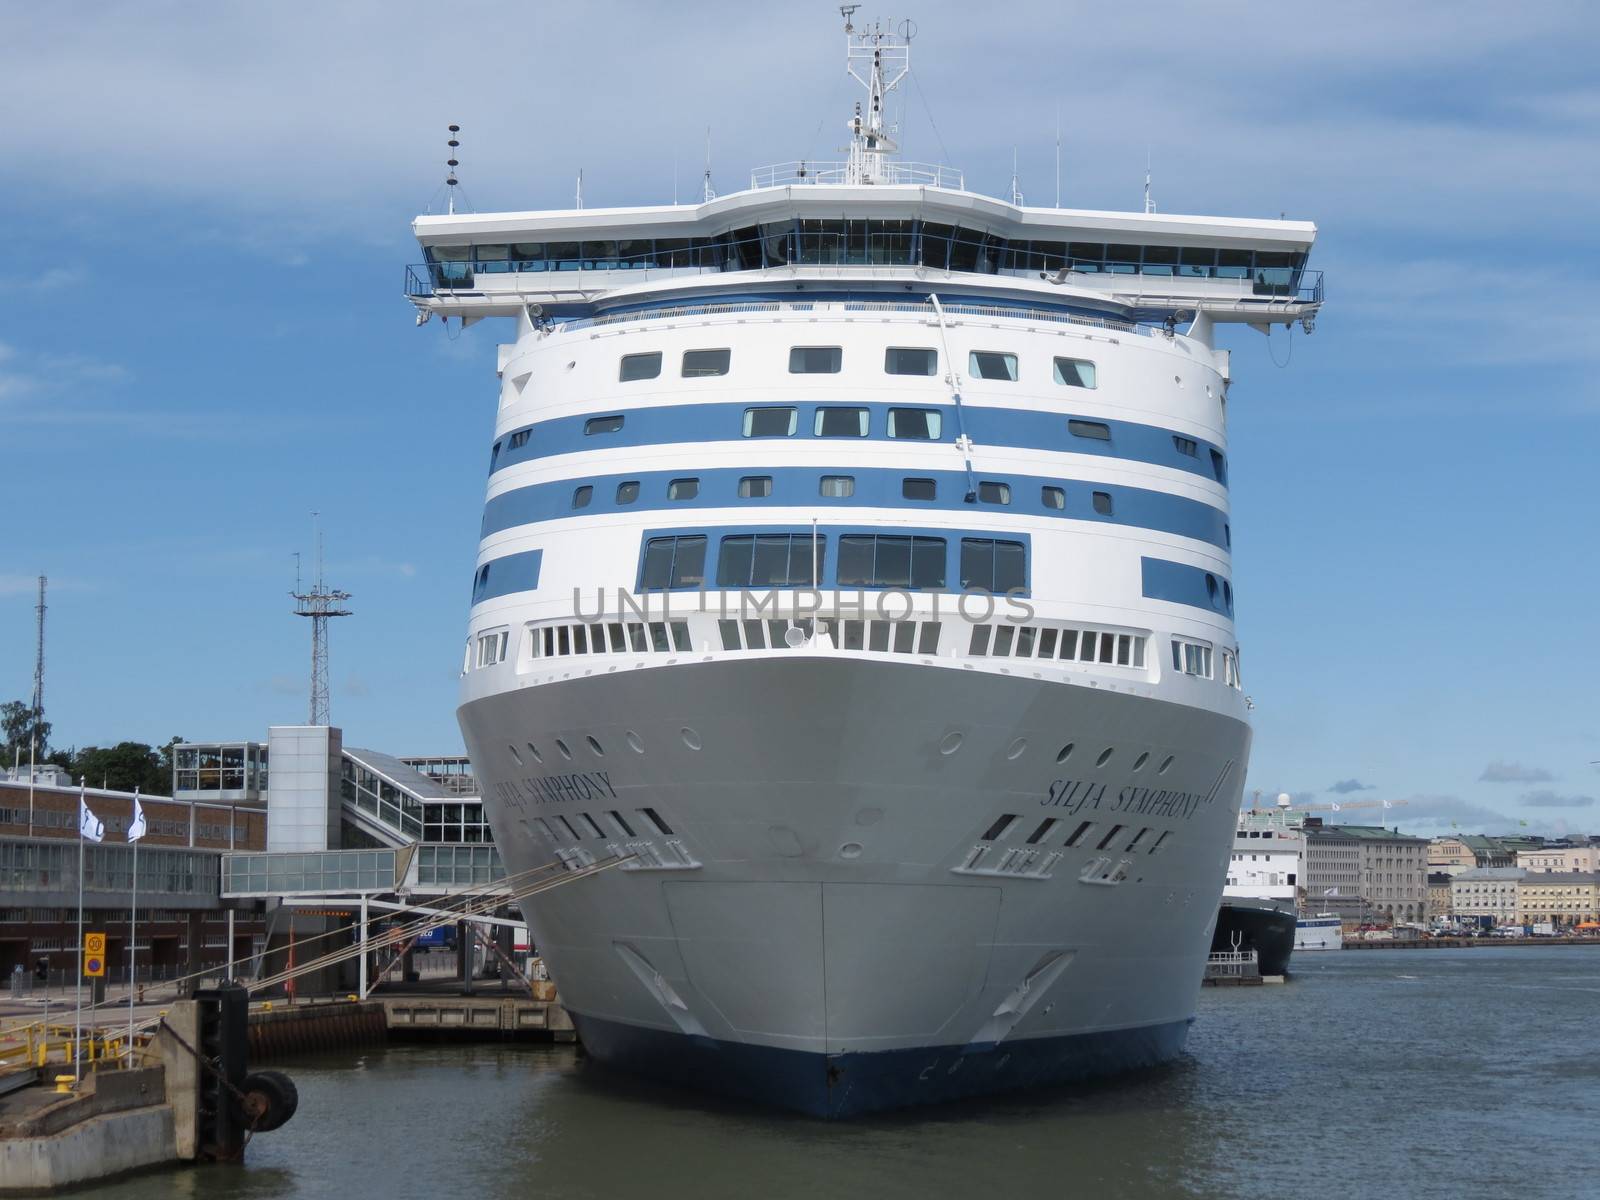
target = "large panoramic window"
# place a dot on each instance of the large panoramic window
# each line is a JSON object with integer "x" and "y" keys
{"x": 769, "y": 560}
{"x": 673, "y": 562}
{"x": 881, "y": 560}
{"x": 993, "y": 565}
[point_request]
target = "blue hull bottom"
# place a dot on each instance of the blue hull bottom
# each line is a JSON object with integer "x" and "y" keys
{"x": 844, "y": 1085}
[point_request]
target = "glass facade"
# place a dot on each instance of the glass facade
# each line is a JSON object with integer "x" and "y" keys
{"x": 867, "y": 242}
{"x": 458, "y": 865}
{"x": 280, "y": 874}
{"x": 372, "y": 794}
{"x": 202, "y": 769}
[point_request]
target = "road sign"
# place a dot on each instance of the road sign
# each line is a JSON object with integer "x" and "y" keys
{"x": 94, "y": 955}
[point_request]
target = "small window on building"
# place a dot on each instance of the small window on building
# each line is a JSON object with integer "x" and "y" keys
{"x": 683, "y": 489}
{"x": 1075, "y": 372}
{"x": 838, "y": 487}
{"x": 815, "y": 360}
{"x": 755, "y": 487}
{"x": 990, "y": 364}
{"x": 1186, "y": 446}
{"x": 840, "y": 422}
{"x": 581, "y": 496}
{"x": 908, "y": 360}
{"x": 700, "y": 363}
{"x": 596, "y": 425}
{"x": 1102, "y": 503}
{"x": 627, "y": 491}
{"x": 993, "y": 492}
{"x": 640, "y": 366}
{"x": 770, "y": 422}
{"x": 1097, "y": 430}
{"x": 1053, "y": 497}
{"x": 917, "y": 424}
{"x": 919, "y": 489}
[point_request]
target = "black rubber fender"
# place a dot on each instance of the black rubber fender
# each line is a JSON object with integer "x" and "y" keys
{"x": 270, "y": 1099}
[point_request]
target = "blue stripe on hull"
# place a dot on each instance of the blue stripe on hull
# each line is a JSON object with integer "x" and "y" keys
{"x": 846, "y": 1085}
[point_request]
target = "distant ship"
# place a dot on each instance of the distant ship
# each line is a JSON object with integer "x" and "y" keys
{"x": 1324, "y": 931}
{"x": 856, "y": 573}
{"x": 1258, "y": 910}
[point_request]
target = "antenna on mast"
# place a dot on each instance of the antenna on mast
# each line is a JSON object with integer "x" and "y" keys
{"x": 1149, "y": 204}
{"x": 580, "y": 188}
{"x": 1058, "y": 154}
{"x": 878, "y": 61}
{"x": 320, "y": 604}
{"x": 450, "y": 181}
{"x": 38, "y": 658}
{"x": 710, "y": 193}
{"x": 1016, "y": 192}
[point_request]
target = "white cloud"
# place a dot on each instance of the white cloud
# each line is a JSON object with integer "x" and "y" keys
{"x": 1546, "y": 798}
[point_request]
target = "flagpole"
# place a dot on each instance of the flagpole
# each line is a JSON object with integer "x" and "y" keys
{"x": 133, "y": 919}
{"x": 77, "y": 1018}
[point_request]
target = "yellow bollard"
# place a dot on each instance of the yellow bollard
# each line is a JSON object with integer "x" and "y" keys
{"x": 63, "y": 1083}
{"x": 352, "y": 997}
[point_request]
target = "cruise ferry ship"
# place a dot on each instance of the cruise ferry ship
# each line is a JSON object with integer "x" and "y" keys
{"x": 1260, "y": 900}
{"x": 855, "y": 573}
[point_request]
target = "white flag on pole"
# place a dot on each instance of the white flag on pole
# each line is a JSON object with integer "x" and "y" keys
{"x": 1386, "y": 804}
{"x": 89, "y": 825}
{"x": 136, "y": 826}
{"x": 1333, "y": 891}
{"x": 1335, "y": 807}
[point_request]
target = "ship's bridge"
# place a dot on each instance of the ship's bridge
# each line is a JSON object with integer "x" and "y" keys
{"x": 796, "y": 226}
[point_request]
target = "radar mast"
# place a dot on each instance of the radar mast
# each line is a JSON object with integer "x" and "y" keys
{"x": 878, "y": 60}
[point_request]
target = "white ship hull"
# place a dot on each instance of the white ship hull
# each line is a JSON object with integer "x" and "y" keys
{"x": 813, "y": 932}
{"x": 1318, "y": 933}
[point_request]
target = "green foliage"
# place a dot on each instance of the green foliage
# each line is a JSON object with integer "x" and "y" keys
{"x": 123, "y": 767}
{"x": 20, "y": 722}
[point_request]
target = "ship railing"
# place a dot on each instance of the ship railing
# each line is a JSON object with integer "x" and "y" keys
{"x": 893, "y": 172}
{"x": 1232, "y": 964}
{"x": 1005, "y": 312}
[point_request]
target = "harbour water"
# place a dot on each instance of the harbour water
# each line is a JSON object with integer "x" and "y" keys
{"x": 1456, "y": 1073}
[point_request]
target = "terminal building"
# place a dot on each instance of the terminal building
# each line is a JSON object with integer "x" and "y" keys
{"x": 274, "y": 840}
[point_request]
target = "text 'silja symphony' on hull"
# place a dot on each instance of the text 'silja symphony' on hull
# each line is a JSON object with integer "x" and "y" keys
{"x": 856, "y": 566}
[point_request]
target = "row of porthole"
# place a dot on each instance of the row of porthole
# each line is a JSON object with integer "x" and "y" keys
{"x": 953, "y": 740}
{"x": 635, "y": 743}
{"x": 949, "y": 744}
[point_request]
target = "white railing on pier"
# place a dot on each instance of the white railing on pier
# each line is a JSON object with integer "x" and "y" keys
{"x": 792, "y": 174}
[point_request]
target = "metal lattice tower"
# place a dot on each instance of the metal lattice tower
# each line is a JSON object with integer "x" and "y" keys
{"x": 320, "y": 604}
{"x": 38, "y": 662}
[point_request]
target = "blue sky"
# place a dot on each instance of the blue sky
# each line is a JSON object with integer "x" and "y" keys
{"x": 204, "y": 338}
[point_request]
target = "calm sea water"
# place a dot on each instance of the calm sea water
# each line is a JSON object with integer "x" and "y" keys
{"x": 1456, "y": 1074}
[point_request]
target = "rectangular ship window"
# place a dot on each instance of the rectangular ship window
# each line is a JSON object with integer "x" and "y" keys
{"x": 919, "y": 489}
{"x": 991, "y": 364}
{"x": 915, "y": 424}
{"x": 608, "y": 424}
{"x": 770, "y": 422}
{"x": 840, "y": 422}
{"x": 639, "y": 366}
{"x": 815, "y": 360}
{"x": 700, "y": 363}
{"x": 1097, "y": 430}
{"x": 755, "y": 487}
{"x": 1075, "y": 372}
{"x": 910, "y": 360}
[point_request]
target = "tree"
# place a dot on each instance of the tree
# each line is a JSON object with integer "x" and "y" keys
{"x": 123, "y": 767}
{"x": 19, "y": 724}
